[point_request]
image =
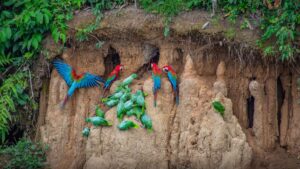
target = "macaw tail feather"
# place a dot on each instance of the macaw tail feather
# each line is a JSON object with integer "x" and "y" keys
{"x": 177, "y": 96}
{"x": 104, "y": 92}
{"x": 62, "y": 105}
{"x": 155, "y": 98}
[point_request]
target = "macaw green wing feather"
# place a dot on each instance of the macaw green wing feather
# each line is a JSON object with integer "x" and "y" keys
{"x": 89, "y": 80}
{"x": 109, "y": 80}
{"x": 173, "y": 80}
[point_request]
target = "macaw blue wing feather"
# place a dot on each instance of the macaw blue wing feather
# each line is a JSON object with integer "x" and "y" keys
{"x": 173, "y": 80}
{"x": 89, "y": 80}
{"x": 157, "y": 82}
{"x": 64, "y": 70}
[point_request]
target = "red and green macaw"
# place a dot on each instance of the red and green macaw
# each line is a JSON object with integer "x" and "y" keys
{"x": 112, "y": 77}
{"x": 156, "y": 76}
{"x": 74, "y": 80}
{"x": 173, "y": 80}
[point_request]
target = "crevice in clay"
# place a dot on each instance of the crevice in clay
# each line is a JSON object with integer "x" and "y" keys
{"x": 250, "y": 110}
{"x": 280, "y": 99}
{"x": 154, "y": 58}
{"x": 151, "y": 55}
{"x": 111, "y": 60}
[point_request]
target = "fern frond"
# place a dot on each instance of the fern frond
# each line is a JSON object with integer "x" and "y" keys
{"x": 10, "y": 91}
{"x": 5, "y": 60}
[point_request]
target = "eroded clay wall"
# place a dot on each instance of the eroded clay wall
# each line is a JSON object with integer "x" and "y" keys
{"x": 190, "y": 135}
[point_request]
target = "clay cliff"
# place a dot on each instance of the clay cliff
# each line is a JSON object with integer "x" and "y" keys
{"x": 259, "y": 94}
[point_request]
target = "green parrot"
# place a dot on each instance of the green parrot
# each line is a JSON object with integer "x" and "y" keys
{"x": 125, "y": 97}
{"x": 130, "y": 112}
{"x": 86, "y": 132}
{"x": 146, "y": 121}
{"x": 128, "y": 105}
{"x": 116, "y": 95}
{"x": 98, "y": 121}
{"x": 99, "y": 112}
{"x": 138, "y": 111}
{"x": 111, "y": 103}
{"x": 129, "y": 79}
{"x": 120, "y": 110}
{"x": 218, "y": 106}
{"x": 127, "y": 124}
{"x": 133, "y": 97}
{"x": 140, "y": 100}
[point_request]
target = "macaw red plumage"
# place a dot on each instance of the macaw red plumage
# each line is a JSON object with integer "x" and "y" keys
{"x": 112, "y": 77}
{"x": 156, "y": 76}
{"x": 74, "y": 80}
{"x": 173, "y": 80}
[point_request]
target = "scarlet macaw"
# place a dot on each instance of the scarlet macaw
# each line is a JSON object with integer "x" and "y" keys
{"x": 156, "y": 76}
{"x": 173, "y": 80}
{"x": 74, "y": 80}
{"x": 112, "y": 77}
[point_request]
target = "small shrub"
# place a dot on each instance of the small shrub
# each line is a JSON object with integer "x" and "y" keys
{"x": 24, "y": 155}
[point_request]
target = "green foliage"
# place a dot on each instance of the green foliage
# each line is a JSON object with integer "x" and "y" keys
{"x": 206, "y": 4}
{"x": 230, "y": 33}
{"x": 98, "y": 6}
{"x": 218, "y": 106}
{"x": 166, "y": 8}
{"x": 25, "y": 155}
{"x": 279, "y": 23}
{"x": 5, "y": 60}
{"x": 11, "y": 95}
{"x": 23, "y": 24}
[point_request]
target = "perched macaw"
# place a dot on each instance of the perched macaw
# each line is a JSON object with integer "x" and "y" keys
{"x": 173, "y": 80}
{"x": 112, "y": 77}
{"x": 74, "y": 80}
{"x": 156, "y": 76}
